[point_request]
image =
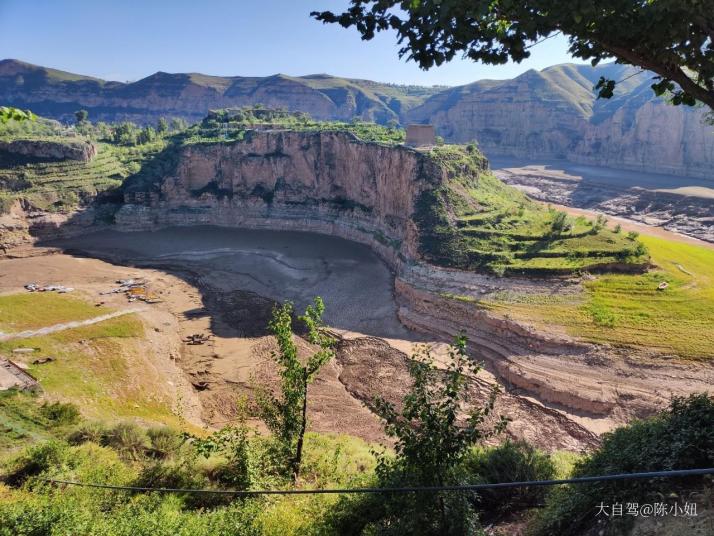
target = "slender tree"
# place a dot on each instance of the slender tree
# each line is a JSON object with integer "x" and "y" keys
{"x": 672, "y": 38}
{"x": 286, "y": 416}
{"x": 81, "y": 116}
{"x": 162, "y": 126}
{"x": 434, "y": 429}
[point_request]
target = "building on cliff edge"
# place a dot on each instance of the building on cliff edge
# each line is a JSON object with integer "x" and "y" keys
{"x": 420, "y": 135}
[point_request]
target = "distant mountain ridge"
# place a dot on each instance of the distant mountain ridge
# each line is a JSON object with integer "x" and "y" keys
{"x": 552, "y": 113}
{"x": 58, "y": 94}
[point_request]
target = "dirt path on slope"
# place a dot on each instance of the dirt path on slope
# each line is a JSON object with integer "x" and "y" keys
{"x": 68, "y": 325}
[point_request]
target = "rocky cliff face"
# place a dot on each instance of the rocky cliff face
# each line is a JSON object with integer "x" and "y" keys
{"x": 554, "y": 114}
{"x": 82, "y": 151}
{"x": 318, "y": 181}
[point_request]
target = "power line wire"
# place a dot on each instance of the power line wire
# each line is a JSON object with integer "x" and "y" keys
{"x": 428, "y": 489}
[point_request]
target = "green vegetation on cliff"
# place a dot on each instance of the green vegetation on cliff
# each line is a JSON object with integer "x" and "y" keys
{"x": 59, "y": 186}
{"x": 629, "y": 309}
{"x": 235, "y": 124}
{"x": 474, "y": 221}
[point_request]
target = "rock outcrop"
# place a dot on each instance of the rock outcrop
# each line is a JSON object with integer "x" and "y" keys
{"x": 328, "y": 182}
{"x": 79, "y": 150}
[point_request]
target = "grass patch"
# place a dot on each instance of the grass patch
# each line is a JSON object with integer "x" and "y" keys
{"x": 19, "y": 312}
{"x": 628, "y": 310}
{"x": 101, "y": 367}
{"x": 21, "y": 420}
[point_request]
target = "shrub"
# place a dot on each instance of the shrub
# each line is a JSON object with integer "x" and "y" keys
{"x": 680, "y": 438}
{"x": 165, "y": 442}
{"x": 510, "y": 462}
{"x": 127, "y": 439}
{"x": 558, "y": 224}
{"x": 59, "y": 413}
{"x": 34, "y": 461}
{"x": 92, "y": 432}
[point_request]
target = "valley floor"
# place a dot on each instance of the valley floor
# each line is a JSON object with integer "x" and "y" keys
{"x": 682, "y": 205}
{"x": 224, "y": 283}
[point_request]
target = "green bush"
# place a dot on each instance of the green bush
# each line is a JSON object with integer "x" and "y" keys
{"x": 91, "y": 432}
{"x": 60, "y": 414}
{"x": 680, "y": 438}
{"x": 165, "y": 442}
{"x": 127, "y": 439}
{"x": 34, "y": 461}
{"x": 513, "y": 461}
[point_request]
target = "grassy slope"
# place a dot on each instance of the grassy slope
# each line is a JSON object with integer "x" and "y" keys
{"x": 19, "y": 312}
{"x": 628, "y": 310}
{"x": 61, "y": 186}
{"x": 102, "y": 366}
{"x": 21, "y": 421}
{"x": 474, "y": 221}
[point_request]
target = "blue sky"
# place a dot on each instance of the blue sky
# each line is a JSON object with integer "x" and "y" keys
{"x": 130, "y": 39}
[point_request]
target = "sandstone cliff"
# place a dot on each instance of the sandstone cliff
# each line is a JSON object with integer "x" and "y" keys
{"x": 554, "y": 114}
{"x": 304, "y": 180}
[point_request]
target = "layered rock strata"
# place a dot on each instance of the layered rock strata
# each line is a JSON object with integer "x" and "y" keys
{"x": 332, "y": 183}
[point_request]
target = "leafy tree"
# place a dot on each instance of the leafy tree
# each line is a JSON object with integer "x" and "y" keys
{"x": 286, "y": 417}
{"x": 178, "y": 124}
{"x": 126, "y": 133}
{"x": 558, "y": 225}
{"x": 672, "y": 38}
{"x": 681, "y": 437}
{"x": 162, "y": 126}
{"x": 81, "y": 116}
{"x": 8, "y": 113}
{"x": 147, "y": 135}
{"x": 433, "y": 438}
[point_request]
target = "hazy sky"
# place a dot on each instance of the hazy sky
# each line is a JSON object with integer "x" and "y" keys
{"x": 130, "y": 39}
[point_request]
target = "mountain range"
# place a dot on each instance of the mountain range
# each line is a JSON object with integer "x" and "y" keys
{"x": 552, "y": 113}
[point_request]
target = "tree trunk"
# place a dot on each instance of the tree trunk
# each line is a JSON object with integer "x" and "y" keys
{"x": 303, "y": 426}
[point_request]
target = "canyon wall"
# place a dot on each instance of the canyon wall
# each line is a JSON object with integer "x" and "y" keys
{"x": 333, "y": 183}
{"x": 328, "y": 182}
{"x": 554, "y": 114}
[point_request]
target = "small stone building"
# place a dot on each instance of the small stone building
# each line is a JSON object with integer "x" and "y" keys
{"x": 420, "y": 135}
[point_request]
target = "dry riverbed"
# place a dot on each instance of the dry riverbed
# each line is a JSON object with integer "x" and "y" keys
{"x": 223, "y": 284}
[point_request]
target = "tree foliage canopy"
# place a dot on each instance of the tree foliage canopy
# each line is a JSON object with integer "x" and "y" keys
{"x": 8, "y": 113}
{"x": 434, "y": 430}
{"x": 672, "y": 38}
{"x": 286, "y": 416}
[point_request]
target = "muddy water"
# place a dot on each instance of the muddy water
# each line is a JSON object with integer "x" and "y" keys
{"x": 282, "y": 265}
